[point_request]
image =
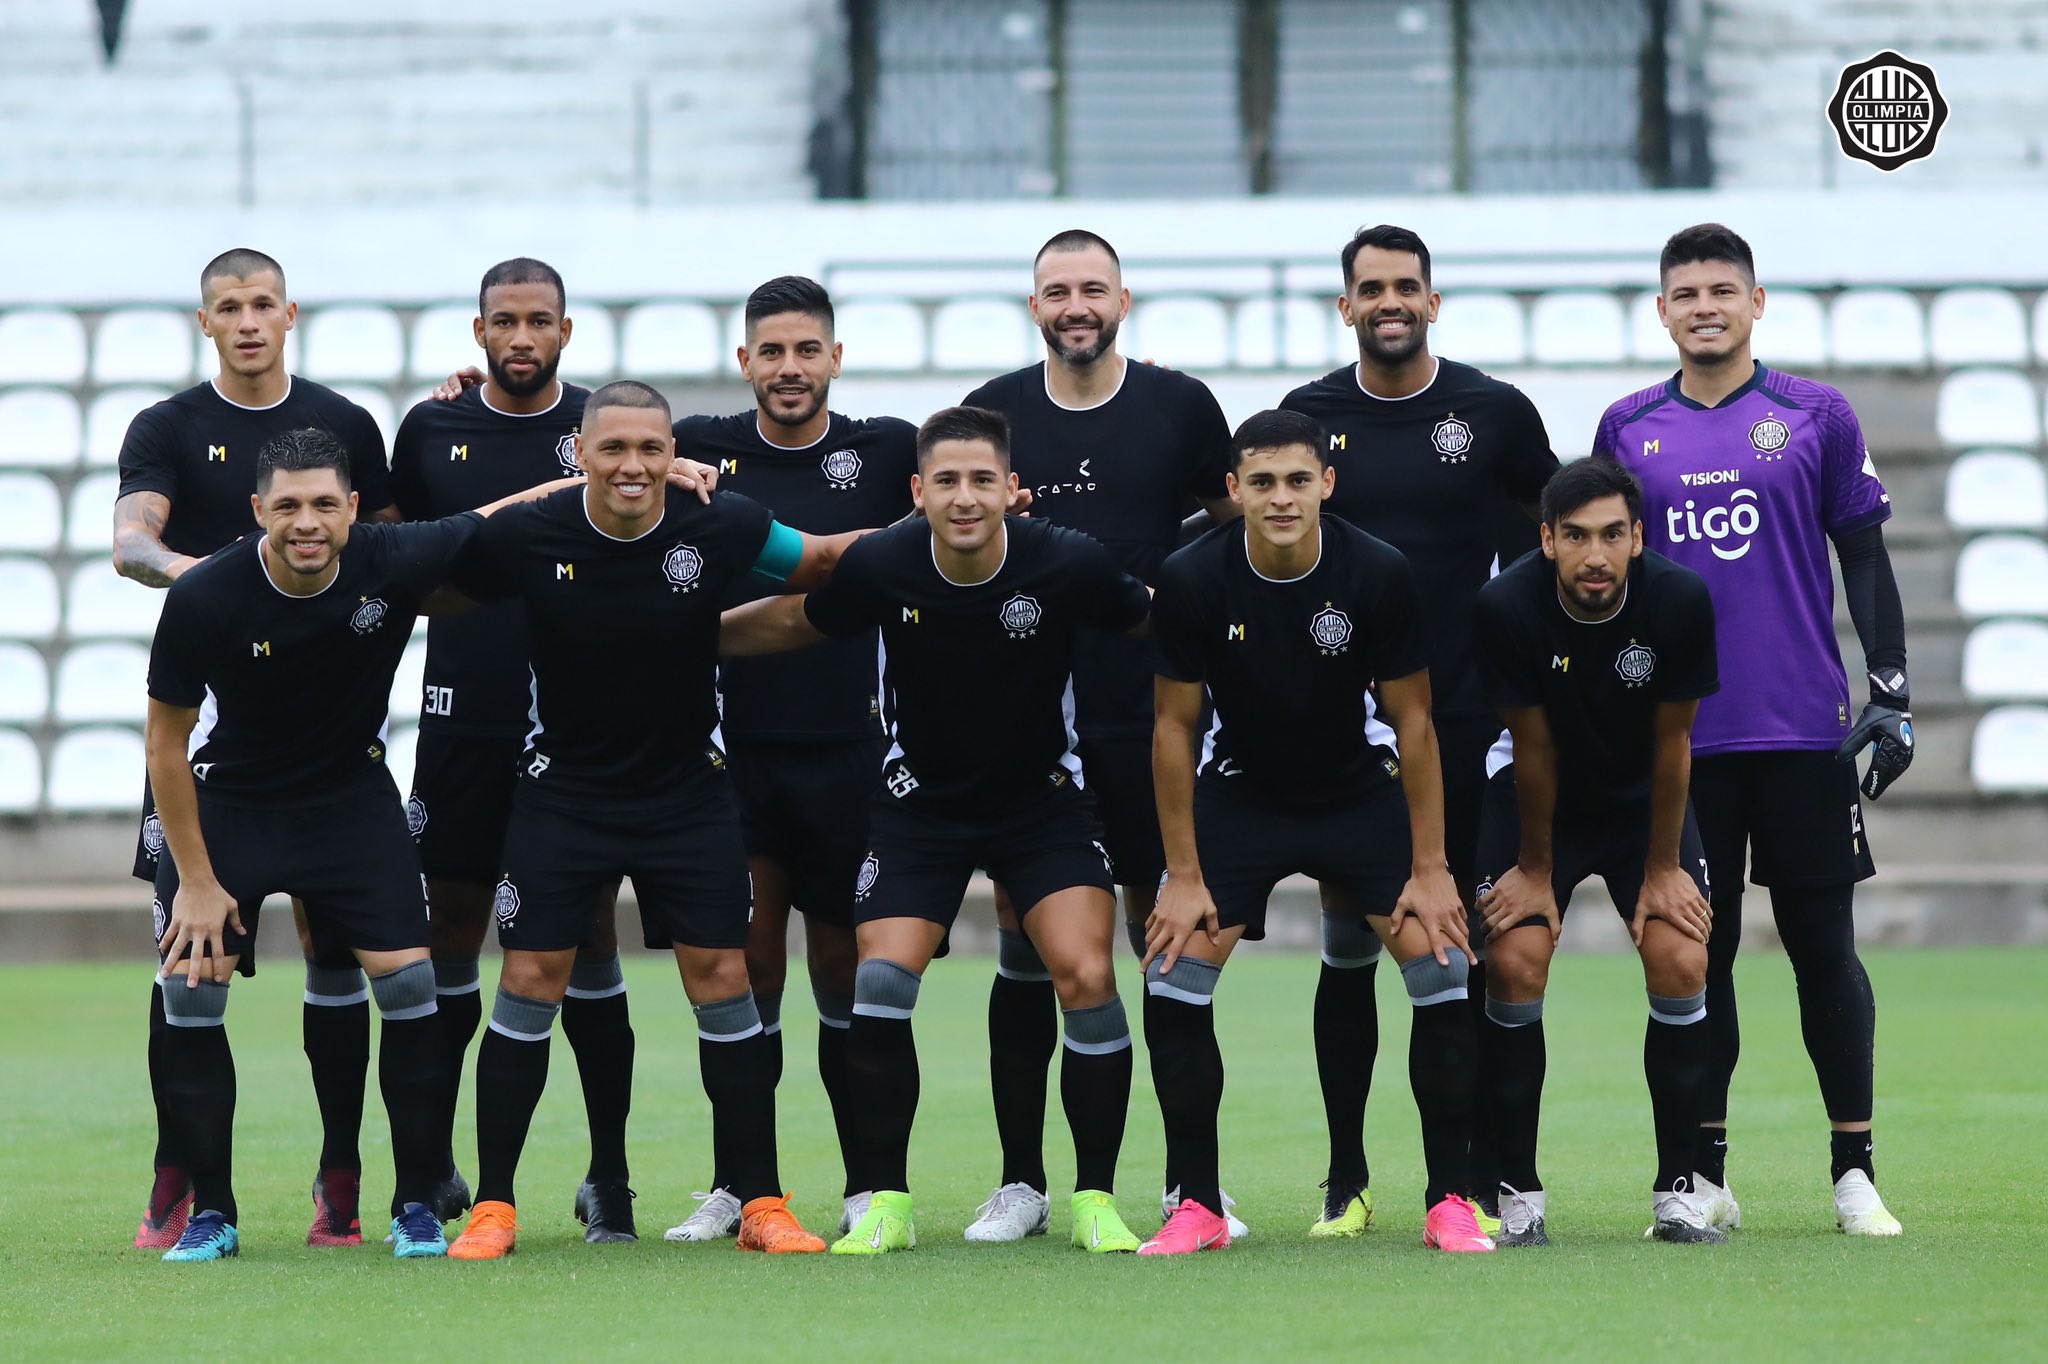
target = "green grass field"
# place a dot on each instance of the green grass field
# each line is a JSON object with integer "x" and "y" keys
{"x": 1961, "y": 1111}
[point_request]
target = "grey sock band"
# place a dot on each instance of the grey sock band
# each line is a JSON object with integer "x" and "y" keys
{"x": 1017, "y": 959}
{"x": 1097, "y": 1031}
{"x": 1514, "y": 1015}
{"x": 1429, "y": 983}
{"x": 406, "y": 993}
{"x": 768, "y": 1003}
{"x": 728, "y": 1020}
{"x": 456, "y": 976}
{"x": 596, "y": 978}
{"x": 882, "y": 989}
{"x": 335, "y": 987}
{"x": 1678, "y": 1010}
{"x": 201, "y": 1006}
{"x": 834, "y": 1010}
{"x": 522, "y": 1019}
{"x": 1348, "y": 943}
{"x": 1134, "y": 934}
{"x": 1189, "y": 982}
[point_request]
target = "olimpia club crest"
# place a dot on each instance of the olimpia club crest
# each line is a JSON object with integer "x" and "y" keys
{"x": 1769, "y": 436}
{"x": 1636, "y": 663}
{"x": 842, "y": 468}
{"x": 153, "y": 838}
{"x": 505, "y": 903}
{"x": 565, "y": 455}
{"x": 682, "y": 566}
{"x": 1331, "y": 629}
{"x": 1887, "y": 111}
{"x": 369, "y": 615}
{"x": 1452, "y": 438}
{"x": 415, "y": 816}
{"x": 1021, "y": 615}
{"x": 865, "y": 882}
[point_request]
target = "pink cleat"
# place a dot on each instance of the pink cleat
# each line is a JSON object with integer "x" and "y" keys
{"x": 1191, "y": 1228}
{"x": 335, "y": 1194}
{"x": 1454, "y": 1226}
{"x": 170, "y": 1204}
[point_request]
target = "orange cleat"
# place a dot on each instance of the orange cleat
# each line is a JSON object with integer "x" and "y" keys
{"x": 768, "y": 1224}
{"x": 492, "y": 1233}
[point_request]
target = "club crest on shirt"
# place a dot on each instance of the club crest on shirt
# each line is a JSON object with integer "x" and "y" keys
{"x": 682, "y": 566}
{"x": 870, "y": 868}
{"x": 505, "y": 903}
{"x": 1331, "y": 629}
{"x": 1021, "y": 616}
{"x": 1769, "y": 436}
{"x": 369, "y": 615}
{"x": 1635, "y": 663}
{"x": 153, "y": 837}
{"x": 565, "y": 454}
{"x": 1452, "y": 438}
{"x": 842, "y": 468}
{"x": 161, "y": 917}
{"x": 415, "y": 815}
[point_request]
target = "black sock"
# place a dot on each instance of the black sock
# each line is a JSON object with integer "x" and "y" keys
{"x": 1187, "y": 1075}
{"x": 1837, "y": 1013}
{"x": 1724, "y": 1029}
{"x": 1850, "y": 1151}
{"x": 736, "y": 1081}
{"x": 1023, "y": 1030}
{"x": 600, "y": 1032}
{"x": 460, "y": 1004}
{"x": 1482, "y": 1159}
{"x": 1676, "y": 1058}
{"x": 338, "y": 1050}
{"x": 168, "y": 1156}
{"x": 199, "y": 1088}
{"x": 510, "y": 1075}
{"x": 1347, "y": 1032}
{"x": 1442, "y": 1051}
{"x": 832, "y": 1075}
{"x": 1095, "y": 1091}
{"x": 1710, "y": 1149}
{"x": 1516, "y": 1060}
{"x": 881, "y": 1066}
{"x": 411, "y": 1074}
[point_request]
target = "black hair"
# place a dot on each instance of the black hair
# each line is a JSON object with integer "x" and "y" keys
{"x": 1705, "y": 242}
{"x": 790, "y": 294}
{"x": 624, "y": 393}
{"x": 237, "y": 262}
{"x": 1386, "y": 237}
{"x": 1276, "y": 429}
{"x": 964, "y": 423}
{"x": 294, "y": 452}
{"x": 1076, "y": 239}
{"x": 522, "y": 270}
{"x": 1589, "y": 480}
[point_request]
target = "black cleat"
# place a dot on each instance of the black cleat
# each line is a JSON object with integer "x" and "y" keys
{"x": 605, "y": 1208}
{"x": 451, "y": 1196}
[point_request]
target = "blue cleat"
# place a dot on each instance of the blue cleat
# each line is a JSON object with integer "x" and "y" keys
{"x": 416, "y": 1233}
{"x": 206, "y": 1237}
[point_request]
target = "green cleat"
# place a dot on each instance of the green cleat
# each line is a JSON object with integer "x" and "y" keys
{"x": 884, "y": 1227}
{"x": 1347, "y": 1210}
{"x": 1097, "y": 1227}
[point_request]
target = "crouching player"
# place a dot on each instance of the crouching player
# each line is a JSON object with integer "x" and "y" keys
{"x": 1597, "y": 655}
{"x": 1301, "y": 628}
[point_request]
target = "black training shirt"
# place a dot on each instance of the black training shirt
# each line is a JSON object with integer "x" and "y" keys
{"x": 976, "y": 692}
{"x": 854, "y": 477}
{"x": 1290, "y": 664}
{"x": 292, "y": 692}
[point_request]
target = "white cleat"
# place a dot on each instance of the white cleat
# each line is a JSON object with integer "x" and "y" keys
{"x": 1012, "y": 1213}
{"x": 1717, "y": 1201}
{"x": 717, "y": 1217}
{"x": 856, "y": 1208}
{"x": 1680, "y": 1219}
{"x": 1170, "y": 1200}
{"x": 1858, "y": 1209}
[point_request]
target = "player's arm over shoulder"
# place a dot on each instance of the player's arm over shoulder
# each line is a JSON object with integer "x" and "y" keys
{"x": 1109, "y": 598}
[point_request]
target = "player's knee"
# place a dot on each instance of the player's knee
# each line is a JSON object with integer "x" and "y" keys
{"x": 522, "y": 1017}
{"x": 1348, "y": 943}
{"x": 405, "y": 993}
{"x": 204, "y": 1005}
{"x": 1518, "y": 967}
{"x": 1429, "y": 981}
{"x": 1189, "y": 982}
{"x": 715, "y": 975}
{"x": 457, "y": 975}
{"x": 835, "y": 1007}
{"x": 767, "y": 969}
{"x": 830, "y": 953}
{"x": 1017, "y": 959}
{"x": 1678, "y": 1010}
{"x": 1513, "y": 1013}
{"x": 335, "y": 987}
{"x": 729, "y": 1020}
{"x": 595, "y": 977}
{"x": 882, "y": 989}
{"x": 1097, "y": 1030}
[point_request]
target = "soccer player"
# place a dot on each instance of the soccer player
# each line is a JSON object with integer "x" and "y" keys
{"x": 1597, "y": 655}
{"x": 1748, "y": 475}
{"x": 979, "y": 614}
{"x": 269, "y": 681}
{"x": 187, "y": 464}
{"x": 623, "y": 775}
{"x": 803, "y": 732}
{"x": 1122, "y": 451}
{"x": 515, "y": 430}
{"x": 1431, "y": 453}
{"x": 1306, "y": 635}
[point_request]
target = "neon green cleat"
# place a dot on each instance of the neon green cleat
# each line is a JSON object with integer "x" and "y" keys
{"x": 884, "y": 1227}
{"x": 1097, "y": 1226}
{"x": 1347, "y": 1210}
{"x": 1488, "y": 1222}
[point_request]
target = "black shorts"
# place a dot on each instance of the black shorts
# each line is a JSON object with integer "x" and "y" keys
{"x": 919, "y": 860}
{"x": 804, "y": 808}
{"x": 1118, "y": 770}
{"x": 1360, "y": 848}
{"x": 461, "y": 802}
{"x": 1611, "y": 846}
{"x": 683, "y": 853}
{"x": 1797, "y": 812}
{"x": 149, "y": 838}
{"x": 349, "y": 860}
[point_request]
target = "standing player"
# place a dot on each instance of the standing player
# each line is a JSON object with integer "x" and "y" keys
{"x": 1288, "y": 623}
{"x": 515, "y": 430}
{"x": 1597, "y": 655}
{"x": 978, "y": 614}
{"x": 803, "y": 733}
{"x": 269, "y": 681}
{"x": 623, "y": 775}
{"x": 1431, "y": 453}
{"x": 1748, "y": 474}
{"x": 187, "y": 465}
{"x": 1124, "y": 452}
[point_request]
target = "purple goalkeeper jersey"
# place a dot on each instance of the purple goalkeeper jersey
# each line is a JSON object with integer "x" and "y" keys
{"x": 1747, "y": 494}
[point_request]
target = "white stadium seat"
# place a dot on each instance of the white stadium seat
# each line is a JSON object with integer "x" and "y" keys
{"x": 21, "y": 773}
{"x": 592, "y": 355}
{"x": 1875, "y": 327}
{"x": 1481, "y": 329}
{"x": 1576, "y": 327}
{"x": 89, "y": 526}
{"x": 28, "y": 599}
{"x": 39, "y": 428}
{"x": 377, "y": 403}
{"x": 31, "y": 514}
{"x": 1988, "y": 407}
{"x": 1185, "y": 333}
{"x": 24, "y": 685}
{"x": 408, "y": 683}
{"x": 95, "y": 769}
{"x": 983, "y": 336}
{"x": 401, "y": 756}
{"x": 2009, "y": 751}
{"x": 143, "y": 346}
{"x": 41, "y": 346}
{"x": 2041, "y": 330}
{"x": 101, "y": 604}
{"x": 1976, "y": 327}
{"x": 1997, "y": 490}
{"x": 2003, "y": 575}
{"x": 1793, "y": 330}
{"x": 884, "y": 334}
{"x": 444, "y": 341}
{"x": 103, "y": 682}
{"x": 1294, "y": 333}
{"x": 352, "y": 341}
{"x": 672, "y": 338}
{"x": 2006, "y": 660}
{"x": 1649, "y": 340}
{"x": 107, "y": 420}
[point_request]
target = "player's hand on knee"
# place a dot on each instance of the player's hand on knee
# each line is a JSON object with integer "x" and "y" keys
{"x": 693, "y": 477}
{"x": 1184, "y": 907}
{"x": 200, "y": 917}
{"x": 1671, "y": 895}
{"x": 452, "y": 387}
{"x": 1517, "y": 897}
{"x": 1431, "y": 899}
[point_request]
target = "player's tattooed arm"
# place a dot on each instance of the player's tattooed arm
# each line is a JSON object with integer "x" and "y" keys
{"x": 1430, "y": 897}
{"x": 771, "y": 625}
{"x": 1669, "y": 892}
{"x": 1524, "y": 891}
{"x": 202, "y": 911}
{"x": 139, "y": 550}
{"x": 1184, "y": 906}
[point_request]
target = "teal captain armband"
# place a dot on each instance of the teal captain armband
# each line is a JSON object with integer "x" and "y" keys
{"x": 780, "y": 553}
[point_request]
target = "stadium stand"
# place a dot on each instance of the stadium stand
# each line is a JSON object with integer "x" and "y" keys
{"x": 100, "y": 604}
{"x": 2007, "y": 660}
{"x": 28, "y": 600}
{"x": 1186, "y": 333}
{"x": 891, "y": 332}
{"x": 21, "y": 774}
{"x": 2009, "y": 753}
{"x": 31, "y": 514}
{"x": 142, "y": 346}
{"x": 2003, "y": 575}
{"x": 42, "y": 346}
{"x": 1484, "y": 329}
{"x": 39, "y": 428}
{"x": 1876, "y": 327}
{"x": 95, "y": 769}
{"x": 1996, "y": 490}
{"x": 1988, "y": 407}
{"x": 24, "y": 685}
{"x": 99, "y": 683}
{"x": 87, "y": 524}
{"x": 593, "y": 349}
{"x": 680, "y": 339}
{"x": 987, "y": 334}
{"x": 1977, "y": 327}
{"x": 107, "y": 419}
{"x": 352, "y": 343}
{"x": 1577, "y": 327}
